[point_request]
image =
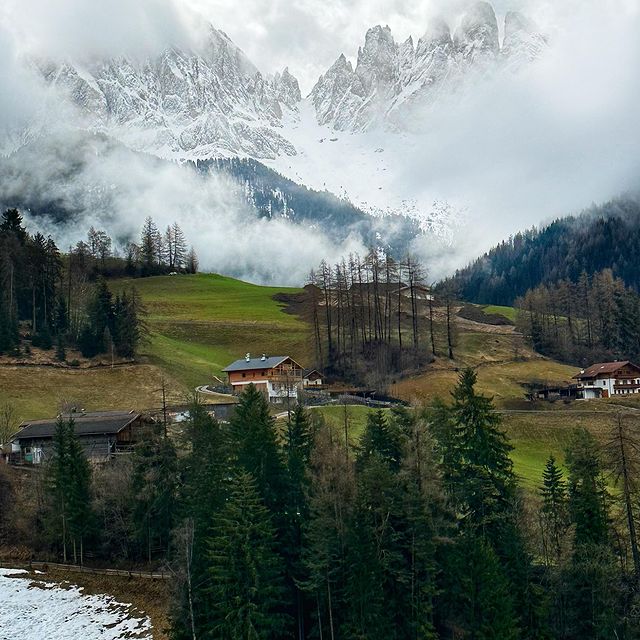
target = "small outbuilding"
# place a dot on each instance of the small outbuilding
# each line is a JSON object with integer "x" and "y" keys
{"x": 311, "y": 378}
{"x": 102, "y": 434}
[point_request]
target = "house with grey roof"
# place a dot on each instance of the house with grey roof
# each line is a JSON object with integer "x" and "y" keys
{"x": 279, "y": 378}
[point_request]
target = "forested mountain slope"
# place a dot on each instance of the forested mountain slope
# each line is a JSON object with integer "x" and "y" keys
{"x": 605, "y": 236}
{"x": 272, "y": 195}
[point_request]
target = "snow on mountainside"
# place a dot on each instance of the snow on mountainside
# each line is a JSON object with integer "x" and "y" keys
{"x": 182, "y": 103}
{"x": 350, "y": 136}
{"x": 390, "y": 79}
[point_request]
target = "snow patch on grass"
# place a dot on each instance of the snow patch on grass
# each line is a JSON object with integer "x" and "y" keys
{"x": 36, "y": 609}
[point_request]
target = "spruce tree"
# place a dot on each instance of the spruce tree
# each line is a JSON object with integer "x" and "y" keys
{"x": 79, "y": 498}
{"x": 154, "y": 488}
{"x": 381, "y": 438}
{"x": 482, "y": 477}
{"x": 71, "y": 489}
{"x": 325, "y": 533}
{"x": 554, "y": 512}
{"x": 479, "y": 476}
{"x": 587, "y": 502}
{"x": 204, "y": 472}
{"x": 246, "y": 591}
{"x": 254, "y": 446}
{"x": 480, "y": 601}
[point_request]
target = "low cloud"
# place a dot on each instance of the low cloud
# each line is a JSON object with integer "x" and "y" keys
{"x": 511, "y": 153}
{"x": 115, "y": 189}
{"x": 82, "y": 29}
{"x": 547, "y": 142}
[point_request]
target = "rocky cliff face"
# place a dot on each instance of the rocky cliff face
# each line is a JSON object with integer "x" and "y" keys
{"x": 390, "y": 79}
{"x": 183, "y": 103}
{"x": 215, "y": 102}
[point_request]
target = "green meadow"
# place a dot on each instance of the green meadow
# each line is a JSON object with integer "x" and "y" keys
{"x": 200, "y": 323}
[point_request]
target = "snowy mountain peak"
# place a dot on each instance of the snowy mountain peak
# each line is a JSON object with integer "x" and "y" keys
{"x": 523, "y": 41}
{"x": 476, "y": 39}
{"x": 392, "y": 81}
{"x": 182, "y": 103}
{"x": 438, "y": 34}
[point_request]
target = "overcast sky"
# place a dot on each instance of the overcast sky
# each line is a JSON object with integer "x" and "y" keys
{"x": 548, "y": 142}
{"x": 306, "y": 35}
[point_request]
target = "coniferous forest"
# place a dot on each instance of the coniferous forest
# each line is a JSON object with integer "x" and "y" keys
{"x": 416, "y": 530}
{"x": 603, "y": 237}
{"x": 62, "y": 300}
{"x": 595, "y": 319}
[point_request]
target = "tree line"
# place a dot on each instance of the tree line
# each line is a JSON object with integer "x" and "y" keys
{"x": 594, "y": 319}
{"x": 62, "y": 300}
{"x": 373, "y": 317}
{"x": 418, "y": 530}
{"x": 272, "y": 195}
{"x": 602, "y": 237}
{"x": 156, "y": 253}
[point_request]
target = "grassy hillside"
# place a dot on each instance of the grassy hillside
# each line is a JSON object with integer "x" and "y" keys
{"x": 507, "y": 312}
{"x": 39, "y": 392}
{"x": 200, "y": 323}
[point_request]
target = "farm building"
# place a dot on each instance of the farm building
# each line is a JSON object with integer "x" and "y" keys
{"x": 102, "y": 434}
{"x": 606, "y": 379}
{"x": 278, "y": 377}
{"x": 311, "y": 378}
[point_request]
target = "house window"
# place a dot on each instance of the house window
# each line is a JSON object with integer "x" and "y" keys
{"x": 244, "y": 375}
{"x": 264, "y": 373}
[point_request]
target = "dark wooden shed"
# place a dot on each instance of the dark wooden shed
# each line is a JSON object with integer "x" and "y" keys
{"x": 102, "y": 434}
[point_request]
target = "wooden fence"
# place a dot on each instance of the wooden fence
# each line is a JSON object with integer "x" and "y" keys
{"x": 72, "y": 568}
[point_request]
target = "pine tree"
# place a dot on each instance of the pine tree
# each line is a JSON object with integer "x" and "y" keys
{"x": 381, "y": 438}
{"x": 331, "y": 505}
{"x": 482, "y": 475}
{"x": 623, "y": 457}
{"x": 149, "y": 245}
{"x": 126, "y": 326}
{"x": 479, "y": 596}
{"x": 591, "y": 592}
{"x": 246, "y": 592}
{"x": 479, "y": 475}
{"x": 71, "y": 489}
{"x": 255, "y": 449}
{"x": 100, "y": 320}
{"x": 204, "y": 471}
{"x": 554, "y": 512}
{"x": 192, "y": 261}
{"x": 180, "y": 254}
{"x": 586, "y": 500}
{"x": 154, "y": 489}
{"x": 81, "y": 516}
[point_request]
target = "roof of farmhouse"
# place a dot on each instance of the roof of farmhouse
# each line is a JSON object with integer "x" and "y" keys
{"x": 99, "y": 422}
{"x": 603, "y": 368}
{"x": 248, "y": 364}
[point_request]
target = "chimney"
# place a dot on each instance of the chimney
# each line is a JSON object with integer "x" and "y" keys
{"x": 264, "y": 357}
{"x": 247, "y": 357}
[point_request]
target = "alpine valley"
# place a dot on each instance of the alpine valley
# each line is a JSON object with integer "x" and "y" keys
{"x": 341, "y": 144}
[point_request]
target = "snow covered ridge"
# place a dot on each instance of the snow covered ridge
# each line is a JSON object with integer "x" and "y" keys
{"x": 34, "y": 609}
{"x": 181, "y": 104}
{"x": 213, "y": 101}
{"x": 354, "y": 135}
{"x": 390, "y": 78}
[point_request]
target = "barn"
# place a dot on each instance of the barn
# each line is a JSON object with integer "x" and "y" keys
{"x": 102, "y": 434}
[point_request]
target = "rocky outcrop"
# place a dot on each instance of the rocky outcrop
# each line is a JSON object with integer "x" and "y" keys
{"x": 391, "y": 80}
{"x": 199, "y": 103}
